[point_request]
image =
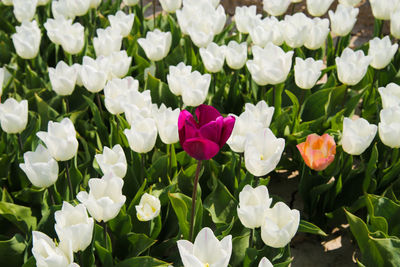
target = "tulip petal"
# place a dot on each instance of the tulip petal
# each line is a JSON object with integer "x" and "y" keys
{"x": 206, "y": 113}
{"x": 212, "y": 130}
{"x": 200, "y": 148}
{"x": 229, "y": 123}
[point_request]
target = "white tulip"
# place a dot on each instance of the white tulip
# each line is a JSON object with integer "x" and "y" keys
{"x": 244, "y": 17}
{"x": 213, "y": 57}
{"x": 63, "y": 78}
{"x": 262, "y": 152}
{"x": 352, "y": 3}
{"x": 142, "y": 135}
{"x": 264, "y": 262}
{"x": 357, "y": 135}
{"x": 7, "y": 2}
{"x": 137, "y": 105}
{"x": 260, "y": 112}
{"x": 318, "y": 8}
{"x": 167, "y": 124}
{"x": 307, "y": 72}
{"x": 27, "y": 39}
{"x": 206, "y": 250}
{"x": 276, "y": 7}
{"x": 95, "y": 3}
{"x": 107, "y": 41}
{"x": 60, "y": 139}
{"x": 253, "y": 203}
{"x": 236, "y": 55}
{"x": 149, "y": 207}
{"x": 74, "y": 225}
{"x": 118, "y": 64}
{"x": 78, "y": 7}
{"x": 280, "y": 225}
{"x": 383, "y": 9}
{"x": 78, "y": 68}
{"x": 156, "y": 45}
{"x": 382, "y": 52}
{"x": 116, "y": 92}
{"x": 24, "y": 10}
{"x": 352, "y": 66}
{"x": 195, "y": 88}
{"x": 113, "y": 160}
{"x": 93, "y": 75}
{"x": 40, "y": 168}
{"x": 270, "y": 65}
{"x": 47, "y": 254}
{"x": 390, "y": 95}
{"x": 395, "y": 23}
{"x": 130, "y": 2}
{"x": 105, "y": 198}
{"x": 13, "y": 115}
{"x": 266, "y": 30}
{"x": 294, "y": 28}
{"x": 343, "y": 19}
{"x": 175, "y": 76}
{"x": 389, "y": 127}
{"x": 59, "y": 9}
{"x": 170, "y": 6}
{"x": 122, "y": 22}
{"x": 318, "y": 30}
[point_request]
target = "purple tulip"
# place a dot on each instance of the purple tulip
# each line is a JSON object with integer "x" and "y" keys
{"x": 203, "y": 139}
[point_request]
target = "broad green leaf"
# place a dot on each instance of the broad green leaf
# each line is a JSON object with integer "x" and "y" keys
{"x": 11, "y": 251}
{"x": 182, "y": 207}
{"x": 307, "y": 227}
{"x": 139, "y": 243}
{"x": 18, "y": 215}
{"x": 145, "y": 261}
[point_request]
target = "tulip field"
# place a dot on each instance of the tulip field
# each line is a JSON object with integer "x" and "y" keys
{"x": 131, "y": 137}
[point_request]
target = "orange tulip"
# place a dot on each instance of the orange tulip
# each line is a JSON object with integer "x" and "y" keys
{"x": 318, "y": 151}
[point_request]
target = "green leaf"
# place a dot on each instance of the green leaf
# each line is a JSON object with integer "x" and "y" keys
{"x": 182, "y": 207}
{"x": 239, "y": 248}
{"x": 11, "y": 251}
{"x": 139, "y": 243}
{"x": 371, "y": 168}
{"x": 307, "y": 227}
{"x": 20, "y": 216}
{"x": 145, "y": 261}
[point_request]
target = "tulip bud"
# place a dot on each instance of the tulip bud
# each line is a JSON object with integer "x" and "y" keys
{"x": 27, "y": 39}
{"x": 167, "y": 124}
{"x": 395, "y": 23}
{"x": 280, "y": 225}
{"x": 13, "y": 115}
{"x": 59, "y": 9}
{"x": 264, "y": 262}
{"x": 47, "y": 254}
{"x": 307, "y": 72}
{"x": 294, "y": 28}
{"x": 390, "y": 95}
{"x": 266, "y": 30}
{"x": 40, "y": 168}
{"x": 276, "y": 7}
{"x": 204, "y": 138}
{"x": 343, "y": 20}
{"x": 206, "y": 249}
{"x": 93, "y": 74}
{"x": 122, "y": 22}
{"x": 24, "y": 10}
{"x": 357, "y": 135}
{"x": 74, "y": 225}
{"x": 318, "y": 30}
{"x": 244, "y": 16}
{"x": 318, "y": 8}
{"x": 170, "y": 6}
{"x": 60, "y": 139}
{"x": 116, "y": 92}
{"x": 352, "y": 66}
{"x": 270, "y": 65}
{"x": 137, "y": 105}
{"x": 352, "y": 3}
{"x": 383, "y": 9}
{"x": 118, "y": 64}
{"x": 213, "y": 57}
{"x": 112, "y": 160}
{"x": 262, "y": 152}
{"x": 63, "y": 78}
{"x": 236, "y": 55}
{"x": 156, "y": 45}
{"x": 253, "y": 203}
{"x": 389, "y": 130}
{"x": 142, "y": 135}
{"x": 105, "y": 198}
{"x": 130, "y": 2}
{"x": 175, "y": 77}
{"x": 382, "y": 52}
{"x": 107, "y": 41}
{"x": 260, "y": 112}
{"x": 195, "y": 88}
{"x": 317, "y": 151}
{"x": 149, "y": 207}
{"x": 78, "y": 7}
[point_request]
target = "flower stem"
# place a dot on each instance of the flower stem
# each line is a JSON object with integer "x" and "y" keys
{"x": 239, "y": 166}
{"x": 21, "y": 146}
{"x": 66, "y": 103}
{"x": 99, "y": 103}
{"x": 50, "y": 190}
{"x": 194, "y": 195}
{"x": 105, "y": 234}
{"x": 69, "y": 179}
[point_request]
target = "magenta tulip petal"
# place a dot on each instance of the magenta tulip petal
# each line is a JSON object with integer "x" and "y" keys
{"x": 183, "y": 115}
{"x": 191, "y": 130}
{"x": 206, "y": 114}
{"x": 227, "y": 129}
{"x": 212, "y": 130}
{"x": 200, "y": 148}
